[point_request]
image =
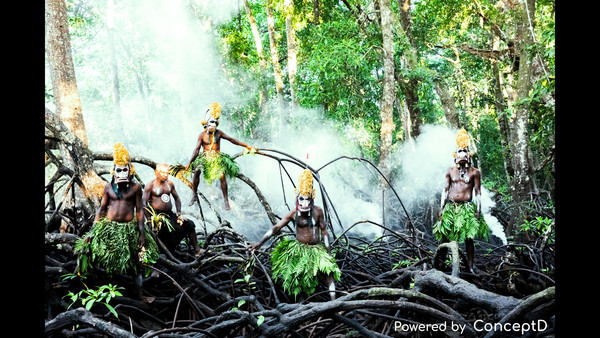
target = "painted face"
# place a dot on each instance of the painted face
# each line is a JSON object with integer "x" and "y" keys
{"x": 304, "y": 203}
{"x": 162, "y": 173}
{"x": 122, "y": 173}
{"x": 462, "y": 156}
{"x": 212, "y": 124}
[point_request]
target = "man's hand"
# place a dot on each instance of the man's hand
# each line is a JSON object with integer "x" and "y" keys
{"x": 141, "y": 241}
{"x": 252, "y": 247}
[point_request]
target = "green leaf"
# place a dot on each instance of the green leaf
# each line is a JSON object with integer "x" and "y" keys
{"x": 260, "y": 320}
{"x": 112, "y": 309}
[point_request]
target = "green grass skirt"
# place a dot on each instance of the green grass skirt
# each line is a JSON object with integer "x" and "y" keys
{"x": 300, "y": 266}
{"x": 113, "y": 246}
{"x": 458, "y": 223}
{"x": 214, "y": 165}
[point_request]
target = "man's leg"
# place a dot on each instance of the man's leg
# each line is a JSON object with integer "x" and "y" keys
{"x": 195, "y": 183}
{"x": 224, "y": 190}
{"x": 137, "y": 280}
{"x": 470, "y": 253}
{"x": 331, "y": 285}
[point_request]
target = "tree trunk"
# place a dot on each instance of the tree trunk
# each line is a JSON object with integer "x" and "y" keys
{"x": 275, "y": 58}
{"x": 387, "y": 98}
{"x": 448, "y": 103}
{"x": 66, "y": 96}
{"x": 291, "y": 46}
{"x": 519, "y": 133}
{"x": 263, "y": 95}
{"x": 409, "y": 87}
{"x": 62, "y": 70}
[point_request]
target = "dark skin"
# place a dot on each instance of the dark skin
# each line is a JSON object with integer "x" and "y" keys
{"x": 210, "y": 140}
{"x": 123, "y": 210}
{"x": 304, "y": 234}
{"x": 153, "y": 192}
{"x": 462, "y": 183}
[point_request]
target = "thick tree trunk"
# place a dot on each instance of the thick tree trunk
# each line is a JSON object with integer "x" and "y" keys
{"x": 263, "y": 95}
{"x": 275, "y": 58}
{"x": 62, "y": 70}
{"x": 387, "y": 99}
{"x": 291, "y": 46}
{"x": 409, "y": 87}
{"x": 448, "y": 103}
{"x": 519, "y": 146}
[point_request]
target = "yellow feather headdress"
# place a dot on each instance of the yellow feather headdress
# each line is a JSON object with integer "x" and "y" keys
{"x": 462, "y": 141}
{"x": 121, "y": 156}
{"x": 214, "y": 110}
{"x": 305, "y": 184}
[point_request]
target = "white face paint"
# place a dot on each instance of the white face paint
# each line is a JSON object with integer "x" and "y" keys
{"x": 211, "y": 125}
{"x": 122, "y": 173}
{"x": 304, "y": 203}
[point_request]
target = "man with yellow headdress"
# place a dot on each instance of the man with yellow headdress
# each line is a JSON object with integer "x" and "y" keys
{"x": 118, "y": 241}
{"x": 460, "y": 211}
{"x": 302, "y": 261}
{"x": 213, "y": 163}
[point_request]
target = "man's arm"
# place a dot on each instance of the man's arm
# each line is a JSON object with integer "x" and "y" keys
{"x": 324, "y": 233}
{"x": 477, "y": 192}
{"x": 234, "y": 141}
{"x": 139, "y": 214}
{"x": 101, "y": 211}
{"x": 175, "y": 197}
{"x": 146, "y": 196}
{"x": 444, "y": 197}
{"x": 275, "y": 229}
{"x": 196, "y": 150}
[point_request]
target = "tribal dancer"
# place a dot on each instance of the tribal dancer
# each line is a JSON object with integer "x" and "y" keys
{"x": 119, "y": 241}
{"x": 211, "y": 161}
{"x": 172, "y": 226}
{"x": 460, "y": 211}
{"x": 299, "y": 262}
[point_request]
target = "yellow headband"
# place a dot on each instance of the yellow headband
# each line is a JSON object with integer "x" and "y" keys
{"x": 305, "y": 184}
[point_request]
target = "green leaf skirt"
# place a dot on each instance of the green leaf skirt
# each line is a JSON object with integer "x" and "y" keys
{"x": 300, "y": 266}
{"x": 113, "y": 245}
{"x": 214, "y": 165}
{"x": 458, "y": 222}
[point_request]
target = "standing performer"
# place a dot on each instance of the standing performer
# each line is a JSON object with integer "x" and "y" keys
{"x": 211, "y": 161}
{"x": 308, "y": 250}
{"x": 157, "y": 195}
{"x": 460, "y": 211}
{"x": 119, "y": 241}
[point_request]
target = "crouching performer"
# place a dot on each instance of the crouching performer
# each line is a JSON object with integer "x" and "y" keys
{"x": 118, "y": 241}
{"x": 172, "y": 227}
{"x": 301, "y": 262}
{"x": 460, "y": 211}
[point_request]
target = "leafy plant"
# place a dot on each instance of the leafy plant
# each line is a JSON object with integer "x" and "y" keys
{"x": 156, "y": 220}
{"x": 101, "y": 295}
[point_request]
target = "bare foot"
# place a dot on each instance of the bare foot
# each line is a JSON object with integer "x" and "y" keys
{"x": 147, "y": 300}
{"x": 194, "y": 199}
{"x": 199, "y": 252}
{"x": 227, "y": 207}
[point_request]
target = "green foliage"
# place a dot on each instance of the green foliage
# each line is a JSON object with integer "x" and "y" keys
{"x": 538, "y": 227}
{"x": 301, "y": 266}
{"x": 100, "y": 295}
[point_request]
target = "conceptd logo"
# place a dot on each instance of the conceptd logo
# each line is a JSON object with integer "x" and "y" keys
{"x": 479, "y": 326}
